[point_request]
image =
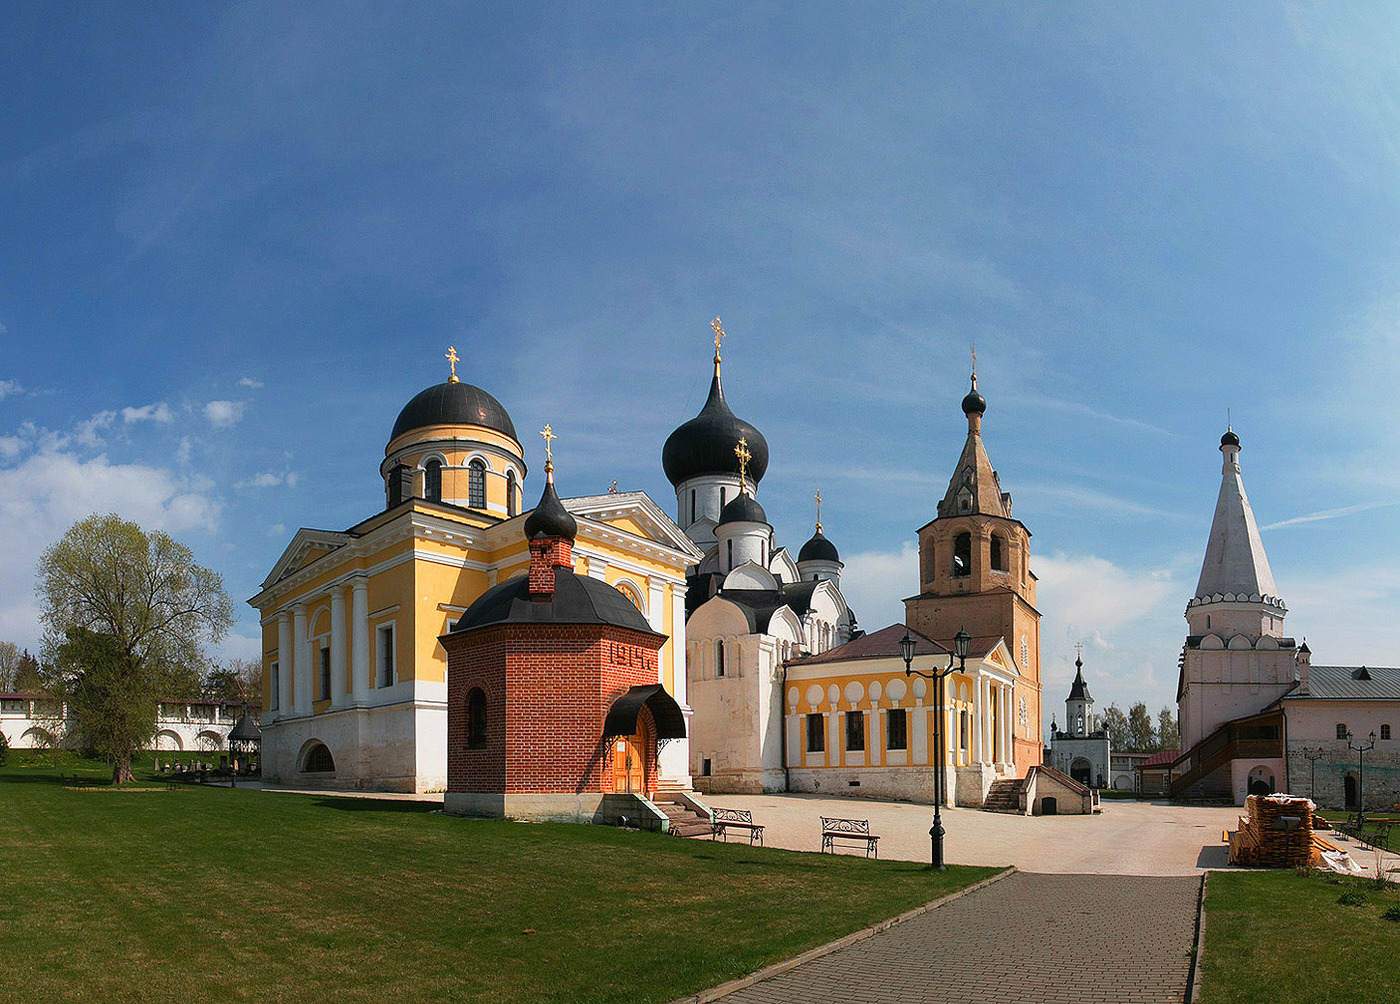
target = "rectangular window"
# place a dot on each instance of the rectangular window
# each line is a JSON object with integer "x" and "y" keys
{"x": 325, "y": 672}
{"x": 705, "y": 767}
{"x": 1341, "y": 730}
{"x": 386, "y": 656}
{"x": 855, "y": 731}
{"x": 895, "y": 735}
{"x": 719, "y": 659}
{"x": 816, "y": 734}
{"x": 1385, "y": 731}
{"x": 274, "y": 672}
{"x": 964, "y": 731}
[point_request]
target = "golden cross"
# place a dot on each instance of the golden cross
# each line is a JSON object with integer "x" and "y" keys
{"x": 742, "y": 452}
{"x": 612, "y": 488}
{"x": 719, "y": 334}
{"x": 452, "y": 358}
{"x": 549, "y": 438}
{"x": 818, "y": 497}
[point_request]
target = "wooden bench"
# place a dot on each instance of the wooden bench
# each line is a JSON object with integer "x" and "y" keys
{"x": 848, "y": 829}
{"x": 725, "y": 820}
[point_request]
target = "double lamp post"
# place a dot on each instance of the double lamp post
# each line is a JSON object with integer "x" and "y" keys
{"x": 961, "y": 643}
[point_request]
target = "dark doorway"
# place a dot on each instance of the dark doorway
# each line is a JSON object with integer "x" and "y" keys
{"x": 1081, "y": 770}
{"x": 1049, "y": 807}
{"x": 1350, "y": 788}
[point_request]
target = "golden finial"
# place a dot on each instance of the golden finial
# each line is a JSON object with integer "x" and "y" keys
{"x": 612, "y": 488}
{"x": 742, "y": 452}
{"x": 452, "y": 358}
{"x": 549, "y": 438}
{"x": 719, "y": 337}
{"x": 818, "y": 497}
{"x": 974, "y": 365}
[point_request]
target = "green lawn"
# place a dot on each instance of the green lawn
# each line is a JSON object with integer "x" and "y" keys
{"x": 211, "y": 894}
{"x": 1278, "y": 936}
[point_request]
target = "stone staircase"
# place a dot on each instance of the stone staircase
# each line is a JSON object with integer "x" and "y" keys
{"x": 684, "y": 821}
{"x": 1004, "y": 796}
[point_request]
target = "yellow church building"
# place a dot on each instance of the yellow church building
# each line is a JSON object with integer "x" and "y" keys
{"x": 355, "y": 675}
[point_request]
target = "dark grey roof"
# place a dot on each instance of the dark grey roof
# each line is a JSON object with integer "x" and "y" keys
{"x": 453, "y": 404}
{"x": 577, "y": 600}
{"x": 245, "y": 729}
{"x": 818, "y": 549}
{"x": 705, "y": 444}
{"x": 759, "y": 605}
{"x": 550, "y": 518}
{"x": 1348, "y": 683}
{"x": 743, "y": 508}
{"x": 1079, "y": 690}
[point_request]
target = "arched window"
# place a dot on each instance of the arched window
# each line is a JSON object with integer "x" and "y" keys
{"x": 476, "y": 484}
{"x": 998, "y": 553}
{"x": 512, "y": 495}
{"x": 1341, "y": 730}
{"x": 1385, "y": 731}
{"x": 318, "y": 760}
{"x": 719, "y": 659}
{"x": 962, "y": 555}
{"x": 432, "y": 480}
{"x": 476, "y": 719}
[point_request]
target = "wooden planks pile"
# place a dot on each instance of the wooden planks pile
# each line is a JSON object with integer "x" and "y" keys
{"x": 1262, "y": 839}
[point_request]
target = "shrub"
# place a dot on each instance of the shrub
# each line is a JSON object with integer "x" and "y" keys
{"x": 4, "y": 748}
{"x": 1353, "y": 897}
{"x": 1393, "y": 913}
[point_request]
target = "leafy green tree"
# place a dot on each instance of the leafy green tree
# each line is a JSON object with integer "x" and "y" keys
{"x": 9, "y": 666}
{"x": 4, "y": 749}
{"x": 1168, "y": 738}
{"x": 126, "y": 614}
{"x": 30, "y": 677}
{"x": 1142, "y": 735}
{"x": 1115, "y": 723}
{"x": 238, "y": 681}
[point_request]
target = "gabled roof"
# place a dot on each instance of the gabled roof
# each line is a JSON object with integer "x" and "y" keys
{"x": 303, "y": 545}
{"x": 881, "y": 644}
{"x": 639, "y": 507}
{"x": 1160, "y": 759}
{"x": 1350, "y": 683}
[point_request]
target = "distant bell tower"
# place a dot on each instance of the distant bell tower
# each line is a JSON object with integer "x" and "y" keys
{"x": 974, "y": 574}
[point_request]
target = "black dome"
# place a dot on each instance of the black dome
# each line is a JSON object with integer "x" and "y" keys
{"x": 453, "y": 404}
{"x": 550, "y": 518}
{"x": 818, "y": 549}
{"x": 705, "y": 444}
{"x": 1230, "y": 439}
{"x": 974, "y": 403}
{"x": 578, "y": 599}
{"x": 743, "y": 509}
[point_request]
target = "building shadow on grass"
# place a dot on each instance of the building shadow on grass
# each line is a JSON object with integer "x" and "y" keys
{"x": 375, "y": 804}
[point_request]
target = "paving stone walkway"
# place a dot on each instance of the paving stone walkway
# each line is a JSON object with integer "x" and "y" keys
{"x": 1025, "y": 939}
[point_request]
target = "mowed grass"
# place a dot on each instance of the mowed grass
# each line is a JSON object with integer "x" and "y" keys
{"x": 1278, "y": 936}
{"x": 212, "y": 894}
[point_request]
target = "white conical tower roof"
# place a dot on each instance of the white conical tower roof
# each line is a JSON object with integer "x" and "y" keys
{"x": 1235, "y": 566}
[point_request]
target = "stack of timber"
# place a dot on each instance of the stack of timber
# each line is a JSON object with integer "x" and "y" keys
{"x": 1262, "y": 840}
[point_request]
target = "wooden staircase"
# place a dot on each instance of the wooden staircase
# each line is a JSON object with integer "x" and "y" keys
{"x": 1004, "y": 796}
{"x": 683, "y": 820}
{"x": 1202, "y": 773}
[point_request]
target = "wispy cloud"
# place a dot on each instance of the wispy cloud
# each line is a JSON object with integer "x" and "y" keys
{"x": 250, "y": 383}
{"x": 1315, "y": 517}
{"x": 159, "y": 412}
{"x": 1088, "y": 499}
{"x": 224, "y": 414}
{"x": 1076, "y": 408}
{"x": 269, "y": 479}
{"x": 9, "y": 388}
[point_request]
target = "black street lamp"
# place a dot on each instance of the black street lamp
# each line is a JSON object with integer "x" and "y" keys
{"x": 1361, "y": 752}
{"x": 1312, "y": 755}
{"x": 961, "y": 642}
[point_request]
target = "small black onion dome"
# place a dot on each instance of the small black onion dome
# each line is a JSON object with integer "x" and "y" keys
{"x": 743, "y": 509}
{"x": 550, "y": 518}
{"x": 453, "y": 404}
{"x": 705, "y": 444}
{"x": 818, "y": 549}
{"x": 1230, "y": 439}
{"x": 974, "y": 403}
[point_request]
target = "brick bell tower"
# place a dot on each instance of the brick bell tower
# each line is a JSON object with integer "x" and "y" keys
{"x": 974, "y": 574}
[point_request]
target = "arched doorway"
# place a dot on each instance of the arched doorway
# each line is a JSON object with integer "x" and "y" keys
{"x": 629, "y": 764}
{"x": 1350, "y": 789}
{"x": 1261, "y": 781}
{"x": 1081, "y": 770}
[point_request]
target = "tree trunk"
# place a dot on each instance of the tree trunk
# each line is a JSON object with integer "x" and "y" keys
{"x": 121, "y": 770}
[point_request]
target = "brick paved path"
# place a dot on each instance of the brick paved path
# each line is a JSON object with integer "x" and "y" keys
{"x": 1026, "y": 939}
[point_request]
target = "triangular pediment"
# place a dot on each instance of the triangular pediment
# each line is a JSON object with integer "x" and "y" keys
{"x": 633, "y": 513}
{"x": 306, "y": 547}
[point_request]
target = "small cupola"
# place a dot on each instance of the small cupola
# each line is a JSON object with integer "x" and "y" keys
{"x": 743, "y": 533}
{"x": 819, "y": 558}
{"x": 551, "y": 530}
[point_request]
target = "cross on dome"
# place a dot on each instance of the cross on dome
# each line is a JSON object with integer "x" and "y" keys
{"x": 452, "y": 358}
{"x": 549, "y": 438}
{"x": 818, "y": 497}
{"x": 742, "y": 452}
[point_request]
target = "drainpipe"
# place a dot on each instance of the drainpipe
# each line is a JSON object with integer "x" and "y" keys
{"x": 782, "y": 717}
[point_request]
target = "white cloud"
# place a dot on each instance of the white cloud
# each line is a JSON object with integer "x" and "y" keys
{"x": 11, "y": 447}
{"x": 251, "y": 383}
{"x": 224, "y": 414}
{"x": 89, "y": 433}
{"x": 148, "y": 413}
{"x": 875, "y": 582}
{"x": 277, "y": 530}
{"x": 1325, "y": 514}
{"x": 269, "y": 479}
{"x": 182, "y": 455}
{"x": 8, "y": 387}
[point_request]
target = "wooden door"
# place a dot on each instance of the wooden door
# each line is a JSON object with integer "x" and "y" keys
{"x": 628, "y": 767}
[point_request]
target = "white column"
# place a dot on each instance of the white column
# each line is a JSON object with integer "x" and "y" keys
{"x": 979, "y": 705}
{"x": 338, "y": 694}
{"x": 678, "y": 645}
{"x": 359, "y": 646}
{"x": 284, "y": 664}
{"x": 303, "y": 660}
{"x": 1007, "y": 729}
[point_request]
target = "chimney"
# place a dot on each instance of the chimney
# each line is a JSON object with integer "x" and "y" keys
{"x": 547, "y": 554}
{"x": 1304, "y": 658}
{"x": 399, "y": 485}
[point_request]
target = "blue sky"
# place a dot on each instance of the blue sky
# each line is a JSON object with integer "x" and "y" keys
{"x": 235, "y": 239}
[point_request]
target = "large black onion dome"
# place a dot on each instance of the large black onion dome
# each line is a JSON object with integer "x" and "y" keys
{"x": 743, "y": 509}
{"x": 705, "y": 444}
{"x": 818, "y": 549}
{"x": 1230, "y": 439}
{"x": 974, "y": 403}
{"x": 550, "y": 518}
{"x": 453, "y": 404}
